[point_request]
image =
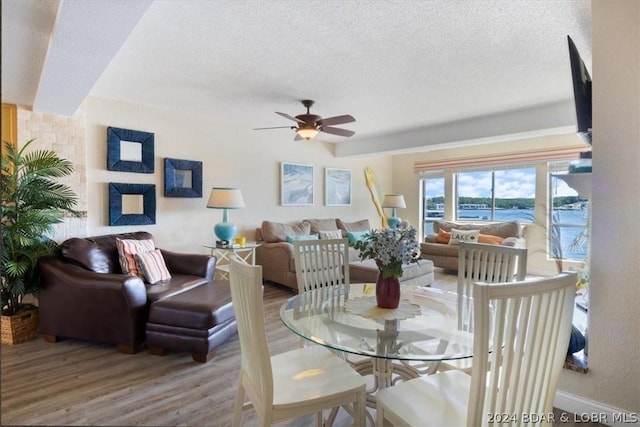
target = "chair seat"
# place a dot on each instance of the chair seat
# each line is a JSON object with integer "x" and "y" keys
{"x": 433, "y": 400}
{"x": 305, "y": 374}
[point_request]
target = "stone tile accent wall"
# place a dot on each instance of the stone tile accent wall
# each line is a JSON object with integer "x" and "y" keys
{"x": 66, "y": 136}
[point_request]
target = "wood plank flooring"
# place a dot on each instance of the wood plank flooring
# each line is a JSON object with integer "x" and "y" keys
{"x": 82, "y": 383}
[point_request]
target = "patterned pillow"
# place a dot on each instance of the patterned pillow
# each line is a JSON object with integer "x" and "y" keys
{"x": 153, "y": 266}
{"x": 330, "y": 234}
{"x": 470, "y": 236}
{"x": 127, "y": 249}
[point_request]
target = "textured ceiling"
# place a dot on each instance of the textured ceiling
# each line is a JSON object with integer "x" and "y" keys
{"x": 396, "y": 66}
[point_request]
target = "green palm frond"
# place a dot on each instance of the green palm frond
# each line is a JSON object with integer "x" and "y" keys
{"x": 33, "y": 201}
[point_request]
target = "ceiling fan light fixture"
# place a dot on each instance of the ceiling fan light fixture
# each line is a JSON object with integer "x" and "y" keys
{"x": 307, "y": 132}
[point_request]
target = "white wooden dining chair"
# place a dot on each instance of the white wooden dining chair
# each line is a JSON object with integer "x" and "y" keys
{"x": 480, "y": 262}
{"x": 521, "y": 333}
{"x": 321, "y": 263}
{"x": 299, "y": 382}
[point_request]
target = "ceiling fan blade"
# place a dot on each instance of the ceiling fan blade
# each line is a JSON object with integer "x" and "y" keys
{"x": 337, "y": 131}
{"x": 337, "y": 120}
{"x": 276, "y": 127}
{"x": 287, "y": 116}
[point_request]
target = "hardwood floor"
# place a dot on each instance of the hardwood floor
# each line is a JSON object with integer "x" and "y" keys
{"x": 82, "y": 383}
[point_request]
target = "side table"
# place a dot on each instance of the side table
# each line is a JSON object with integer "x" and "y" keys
{"x": 246, "y": 252}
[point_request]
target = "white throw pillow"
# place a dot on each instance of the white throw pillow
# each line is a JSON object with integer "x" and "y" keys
{"x": 463, "y": 236}
{"x": 330, "y": 234}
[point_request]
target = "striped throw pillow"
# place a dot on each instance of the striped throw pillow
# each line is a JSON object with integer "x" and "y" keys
{"x": 153, "y": 266}
{"x": 127, "y": 249}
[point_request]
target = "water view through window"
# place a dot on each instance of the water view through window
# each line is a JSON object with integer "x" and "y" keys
{"x": 509, "y": 194}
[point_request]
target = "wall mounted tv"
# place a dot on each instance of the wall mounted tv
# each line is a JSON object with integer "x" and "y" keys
{"x": 581, "y": 91}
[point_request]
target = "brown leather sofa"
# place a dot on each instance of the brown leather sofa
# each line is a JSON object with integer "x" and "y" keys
{"x": 84, "y": 294}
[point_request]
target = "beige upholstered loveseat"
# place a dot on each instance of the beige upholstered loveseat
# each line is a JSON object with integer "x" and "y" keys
{"x": 436, "y": 246}
{"x": 275, "y": 253}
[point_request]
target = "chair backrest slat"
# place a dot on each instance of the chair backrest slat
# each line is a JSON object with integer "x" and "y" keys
{"x": 486, "y": 263}
{"x": 255, "y": 369}
{"x": 321, "y": 263}
{"x": 521, "y": 336}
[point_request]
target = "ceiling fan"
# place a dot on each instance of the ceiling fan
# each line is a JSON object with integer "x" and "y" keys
{"x": 310, "y": 124}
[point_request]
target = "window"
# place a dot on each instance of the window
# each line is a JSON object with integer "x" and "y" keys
{"x": 569, "y": 222}
{"x": 496, "y": 195}
{"x": 432, "y": 202}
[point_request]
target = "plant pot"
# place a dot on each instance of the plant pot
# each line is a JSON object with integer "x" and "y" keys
{"x": 387, "y": 292}
{"x": 20, "y": 327}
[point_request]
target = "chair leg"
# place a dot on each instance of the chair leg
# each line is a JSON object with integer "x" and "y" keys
{"x": 360, "y": 409}
{"x": 237, "y": 408}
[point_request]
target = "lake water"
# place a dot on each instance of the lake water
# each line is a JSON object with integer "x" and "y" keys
{"x": 569, "y": 235}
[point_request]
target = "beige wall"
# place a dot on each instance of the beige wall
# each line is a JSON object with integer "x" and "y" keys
{"x": 232, "y": 156}
{"x": 614, "y": 332}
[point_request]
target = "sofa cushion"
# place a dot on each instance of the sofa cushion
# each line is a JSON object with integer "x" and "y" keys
{"x": 503, "y": 229}
{"x": 443, "y": 236}
{"x": 490, "y": 239}
{"x": 152, "y": 266}
{"x": 86, "y": 254}
{"x": 127, "y": 249}
{"x": 355, "y": 236}
{"x": 107, "y": 243}
{"x": 274, "y": 232}
{"x": 330, "y": 234}
{"x": 294, "y": 237}
{"x": 316, "y": 224}
{"x": 362, "y": 225}
{"x": 463, "y": 236}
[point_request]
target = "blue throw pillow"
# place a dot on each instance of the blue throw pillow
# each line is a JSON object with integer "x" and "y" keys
{"x": 354, "y": 236}
{"x": 295, "y": 237}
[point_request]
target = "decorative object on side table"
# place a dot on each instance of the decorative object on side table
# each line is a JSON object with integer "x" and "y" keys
{"x": 225, "y": 198}
{"x": 394, "y": 201}
{"x": 391, "y": 248}
{"x": 32, "y": 202}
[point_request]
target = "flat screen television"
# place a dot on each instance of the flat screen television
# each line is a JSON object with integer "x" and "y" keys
{"x": 581, "y": 92}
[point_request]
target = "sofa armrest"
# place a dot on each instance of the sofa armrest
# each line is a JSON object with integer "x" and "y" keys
{"x": 431, "y": 238}
{"x": 190, "y": 264}
{"x": 79, "y": 303}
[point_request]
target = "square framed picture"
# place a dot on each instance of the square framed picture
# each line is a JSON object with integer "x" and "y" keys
{"x": 182, "y": 178}
{"x": 296, "y": 184}
{"x": 337, "y": 187}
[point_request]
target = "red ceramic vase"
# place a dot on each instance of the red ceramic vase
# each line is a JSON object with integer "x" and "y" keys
{"x": 387, "y": 292}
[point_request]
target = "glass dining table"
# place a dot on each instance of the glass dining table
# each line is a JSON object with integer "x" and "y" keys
{"x": 390, "y": 344}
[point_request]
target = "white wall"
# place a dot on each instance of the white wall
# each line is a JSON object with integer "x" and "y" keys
{"x": 614, "y": 331}
{"x": 235, "y": 157}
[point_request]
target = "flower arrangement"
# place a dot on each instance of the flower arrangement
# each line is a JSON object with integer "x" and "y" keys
{"x": 391, "y": 248}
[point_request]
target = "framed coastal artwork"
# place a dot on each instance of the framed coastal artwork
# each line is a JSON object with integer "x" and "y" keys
{"x": 296, "y": 184}
{"x": 337, "y": 187}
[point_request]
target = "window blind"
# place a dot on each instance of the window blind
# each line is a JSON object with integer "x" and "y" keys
{"x": 516, "y": 158}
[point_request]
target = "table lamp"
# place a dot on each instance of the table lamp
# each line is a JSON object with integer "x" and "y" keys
{"x": 393, "y": 201}
{"x": 225, "y": 198}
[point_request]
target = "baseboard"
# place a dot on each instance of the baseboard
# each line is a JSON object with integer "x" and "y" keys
{"x": 583, "y": 410}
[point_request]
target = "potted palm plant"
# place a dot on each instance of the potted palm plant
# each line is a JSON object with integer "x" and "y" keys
{"x": 32, "y": 202}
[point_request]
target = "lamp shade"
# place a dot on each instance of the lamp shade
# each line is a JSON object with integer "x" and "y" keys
{"x": 307, "y": 132}
{"x": 225, "y": 198}
{"x": 394, "y": 201}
